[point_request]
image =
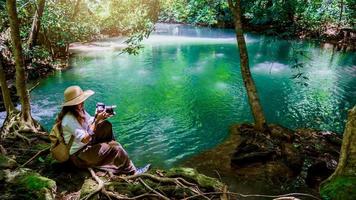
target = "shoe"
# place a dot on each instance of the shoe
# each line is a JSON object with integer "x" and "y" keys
{"x": 143, "y": 169}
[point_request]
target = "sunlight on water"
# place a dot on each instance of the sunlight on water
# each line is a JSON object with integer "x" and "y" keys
{"x": 270, "y": 67}
{"x": 179, "y": 96}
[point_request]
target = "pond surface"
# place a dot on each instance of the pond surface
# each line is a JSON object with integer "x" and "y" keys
{"x": 179, "y": 96}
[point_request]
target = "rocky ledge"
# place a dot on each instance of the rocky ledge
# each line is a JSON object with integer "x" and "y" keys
{"x": 281, "y": 160}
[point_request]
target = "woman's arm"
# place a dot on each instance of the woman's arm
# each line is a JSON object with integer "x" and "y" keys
{"x": 98, "y": 119}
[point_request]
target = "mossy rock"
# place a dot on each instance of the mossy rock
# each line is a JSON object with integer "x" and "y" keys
{"x": 88, "y": 187}
{"x": 27, "y": 184}
{"x": 339, "y": 188}
{"x": 6, "y": 162}
{"x": 191, "y": 174}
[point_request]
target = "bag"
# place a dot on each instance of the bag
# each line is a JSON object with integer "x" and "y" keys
{"x": 59, "y": 149}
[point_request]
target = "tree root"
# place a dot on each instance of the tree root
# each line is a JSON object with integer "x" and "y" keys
{"x": 2, "y": 150}
{"x": 36, "y": 155}
{"x": 15, "y": 126}
{"x": 98, "y": 189}
{"x": 152, "y": 190}
{"x": 119, "y": 196}
{"x": 275, "y": 197}
{"x": 26, "y": 139}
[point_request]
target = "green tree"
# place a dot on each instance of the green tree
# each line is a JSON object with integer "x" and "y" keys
{"x": 26, "y": 121}
{"x": 341, "y": 184}
{"x": 253, "y": 99}
{"x": 36, "y": 24}
{"x": 9, "y": 106}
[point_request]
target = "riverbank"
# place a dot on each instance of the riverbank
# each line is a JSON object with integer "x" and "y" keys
{"x": 27, "y": 171}
{"x": 340, "y": 39}
{"x": 280, "y": 162}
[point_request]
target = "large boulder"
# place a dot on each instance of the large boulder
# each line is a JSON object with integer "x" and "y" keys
{"x": 266, "y": 155}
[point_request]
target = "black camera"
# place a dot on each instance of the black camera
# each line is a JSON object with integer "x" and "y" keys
{"x": 100, "y": 107}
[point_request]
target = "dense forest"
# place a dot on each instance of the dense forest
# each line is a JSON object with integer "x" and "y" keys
{"x": 35, "y": 41}
{"x": 329, "y": 20}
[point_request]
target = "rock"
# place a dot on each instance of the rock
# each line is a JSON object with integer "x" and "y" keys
{"x": 6, "y": 162}
{"x": 269, "y": 156}
{"x": 241, "y": 159}
{"x": 25, "y": 183}
{"x": 282, "y": 133}
{"x": 190, "y": 174}
{"x": 282, "y": 155}
{"x": 292, "y": 157}
{"x": 319, "y": 171}
{"x": 88, "y": 187}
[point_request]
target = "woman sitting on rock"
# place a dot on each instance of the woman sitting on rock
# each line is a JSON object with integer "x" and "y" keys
{"x": 94, "y": 144}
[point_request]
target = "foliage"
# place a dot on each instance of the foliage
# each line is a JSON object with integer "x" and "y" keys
{"x": 200, "y": 12}
{"x": 63, "y": 23}
{"x": 291, "y": 15}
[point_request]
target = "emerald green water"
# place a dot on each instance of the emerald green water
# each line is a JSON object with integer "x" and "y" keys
{"x": 181, "y": 93}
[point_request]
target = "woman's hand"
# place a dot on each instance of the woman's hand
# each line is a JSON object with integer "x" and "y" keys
{"x": 102, "y": 116}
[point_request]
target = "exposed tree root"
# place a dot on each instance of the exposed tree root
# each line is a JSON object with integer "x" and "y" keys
{"x": 2, "y": 150}
{"x": 119, "y": 196}
{"x": 275, "y": 197}
{"x": 153, "y": 190}
{"x": 155, "y": 187}
{"x": 46, "y": 150}
{"x": 98, "y": 189}
{"x": 14, "y": 126}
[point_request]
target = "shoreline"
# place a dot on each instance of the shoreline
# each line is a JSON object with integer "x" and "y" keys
{"x": 329, "y": 39}
{"x": 246, "y": 169}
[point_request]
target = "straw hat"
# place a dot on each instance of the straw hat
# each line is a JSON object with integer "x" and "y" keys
{"x": 74, "y": 95}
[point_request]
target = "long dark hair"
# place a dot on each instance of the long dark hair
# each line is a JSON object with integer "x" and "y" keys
{"x": 79, "y": 114}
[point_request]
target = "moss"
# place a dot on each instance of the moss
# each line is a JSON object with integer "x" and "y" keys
{"x": 34, "y": 185}
{"x": 34, "y": 181}
{"x": 340, "y": 188}
{"x": 192, "y": 175}
{"x": 88, "y": 187}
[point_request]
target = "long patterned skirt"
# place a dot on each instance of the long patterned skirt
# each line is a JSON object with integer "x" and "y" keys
{"x": 104, "y": 153}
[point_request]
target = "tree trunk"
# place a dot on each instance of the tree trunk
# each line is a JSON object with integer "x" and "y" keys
{"x": 347, "y": 160}
{"x": 255, "y": 106}
{"x": 76, "y": 9}
{"x": 20, "y": 67}
{"x": 341, "y": 12}
{"x": 36, "y": 24}
{"x": 9, "y": 106}
{"x": 341, "y": 184}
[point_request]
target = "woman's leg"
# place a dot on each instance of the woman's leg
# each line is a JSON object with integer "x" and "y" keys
{"x": 103, "y": 133}
{"x": 106, "y": 156}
